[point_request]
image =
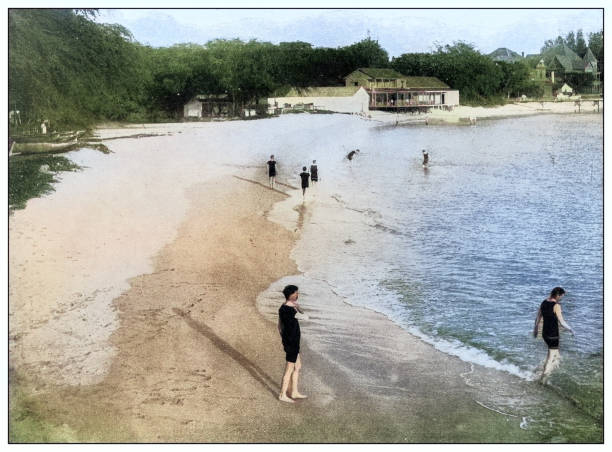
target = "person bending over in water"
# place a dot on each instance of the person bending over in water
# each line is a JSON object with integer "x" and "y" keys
{"x": 550, "y": 312}
{"x": 304, "y": 175}
{"x": 352, "y": 154}
{"x": 271, "y": 171}
{"x": 314, "y": 172}
{"x": 289, "y": 329}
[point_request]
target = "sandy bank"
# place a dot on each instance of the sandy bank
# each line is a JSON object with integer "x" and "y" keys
{"x": 462, "y": 114}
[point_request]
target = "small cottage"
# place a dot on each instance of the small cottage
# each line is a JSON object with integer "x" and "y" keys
{"x": 208, "y": 105}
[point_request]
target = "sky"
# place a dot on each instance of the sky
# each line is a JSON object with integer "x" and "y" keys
{"x": 397, "y": 30}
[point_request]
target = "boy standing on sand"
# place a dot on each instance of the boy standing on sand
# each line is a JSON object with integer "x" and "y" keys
{"x": 289, "y": 329}
{"x": 304, "y": 175}
{"x": 271, "y": 171}
{"x": 550, "y": 311}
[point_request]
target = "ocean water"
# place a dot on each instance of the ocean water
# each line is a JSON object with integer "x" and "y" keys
{"x": 462, "y": 254}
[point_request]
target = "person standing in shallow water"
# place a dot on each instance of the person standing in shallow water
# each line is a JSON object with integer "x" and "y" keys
{"x": 314, "y": 172}
{"x": 289, "y": 329}
{"x": 425, "y": 159}
{"x": 304, "y": 175}
{"x": 271, "y": 171}
{"x": 551, "y": 315}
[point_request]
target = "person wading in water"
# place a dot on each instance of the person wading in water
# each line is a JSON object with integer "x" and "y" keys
{"x": 550, "y": 313}
{"x": 271, "y": 171}
{"x": 304, "y": 176}
{"x": 314, "y": 172}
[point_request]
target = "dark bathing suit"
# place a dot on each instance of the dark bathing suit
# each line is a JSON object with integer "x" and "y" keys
{"x": 290, "y": 332}
{"x": 550, "y": 330}
{"x": 314, "y": 173}
{"x": 271, "y": 168}
{"x": 304, "y": 177}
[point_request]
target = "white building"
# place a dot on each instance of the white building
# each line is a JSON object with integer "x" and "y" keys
{"x": 341, "y": 99}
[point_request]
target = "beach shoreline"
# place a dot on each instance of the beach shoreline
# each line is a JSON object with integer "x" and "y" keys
{"x": 194, "y": 357}
{"x": 466, "y": 115}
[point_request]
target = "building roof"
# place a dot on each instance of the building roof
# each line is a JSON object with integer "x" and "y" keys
{"x": 424, "y": 82}
{"x": 322, "y": 91}
{"x": 589, "y": 57}
{"x": 378, "y": 72}
{"x": 409, "y": 82}
{"x": 211, "y": 96}
{"x": 505, "y": 55}
{"x": 567, "y": 58}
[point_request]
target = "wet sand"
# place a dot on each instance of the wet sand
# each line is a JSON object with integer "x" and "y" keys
{"x": 187, "y": 349}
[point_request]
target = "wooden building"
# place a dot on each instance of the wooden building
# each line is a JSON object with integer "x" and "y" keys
{"x": 209, "y": 105}
{"x": 389, "y": 90}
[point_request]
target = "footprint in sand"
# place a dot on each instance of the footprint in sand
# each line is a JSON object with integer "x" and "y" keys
{"x": 201, "y": 373}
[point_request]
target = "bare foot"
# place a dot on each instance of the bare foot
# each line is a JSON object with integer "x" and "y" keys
{"x": 284, "y": 398}
{"x": 298, "y": 396}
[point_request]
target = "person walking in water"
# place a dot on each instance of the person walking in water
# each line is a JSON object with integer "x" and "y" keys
{"x": 289, "y": 329}
{"x": 314, "y": 172}
{"x": 271, "y": 171}
{"x": 550, "y": 313}
{"x": 304, "y": 175}
{"x": 425, "y": 159}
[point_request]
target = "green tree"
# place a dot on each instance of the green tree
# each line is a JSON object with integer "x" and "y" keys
{"x": 366, "y": 53}
{"x": 65, "y": 68}
{"x": 514, "y": 78}
{"x": 570, "y": 40}
{"x": 581, "y": 46}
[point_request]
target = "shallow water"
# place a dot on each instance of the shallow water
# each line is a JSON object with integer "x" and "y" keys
{"x": 462, "y": 254}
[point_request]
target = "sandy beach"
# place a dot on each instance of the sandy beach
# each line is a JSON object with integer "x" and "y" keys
{"x": 464, "y": 114}
{"x": 143, "y": 296}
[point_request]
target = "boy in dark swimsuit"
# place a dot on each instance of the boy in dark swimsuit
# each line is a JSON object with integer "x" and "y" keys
{"x": 425, "y": 158}
{"x": 550, "y": 312}
{"x": 271, "y": 171}
{"x": 289, "y": 329}
{"x": 304, "y": 175}
{"x": 314, "y": 172}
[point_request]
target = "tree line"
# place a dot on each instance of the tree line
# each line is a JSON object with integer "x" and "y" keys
{"x": 73, "y": 71}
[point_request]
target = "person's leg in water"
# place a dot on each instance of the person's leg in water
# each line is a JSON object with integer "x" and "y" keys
{"x": 303, "y": 192}
{"x": 553, "y": 359}
{"x": 285, "y": 384}
{"x": 295, "y": 376}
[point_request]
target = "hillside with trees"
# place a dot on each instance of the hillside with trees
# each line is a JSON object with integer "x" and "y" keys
{"x": 72, "y": 71}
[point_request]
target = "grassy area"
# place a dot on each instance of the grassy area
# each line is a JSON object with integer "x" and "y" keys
{"x": 26, "y": 422}
{"x": 62, "y": 415}
{"x": 26, "y": 180}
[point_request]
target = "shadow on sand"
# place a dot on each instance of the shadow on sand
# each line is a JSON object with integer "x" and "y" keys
{"x": 256, "y": 372}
